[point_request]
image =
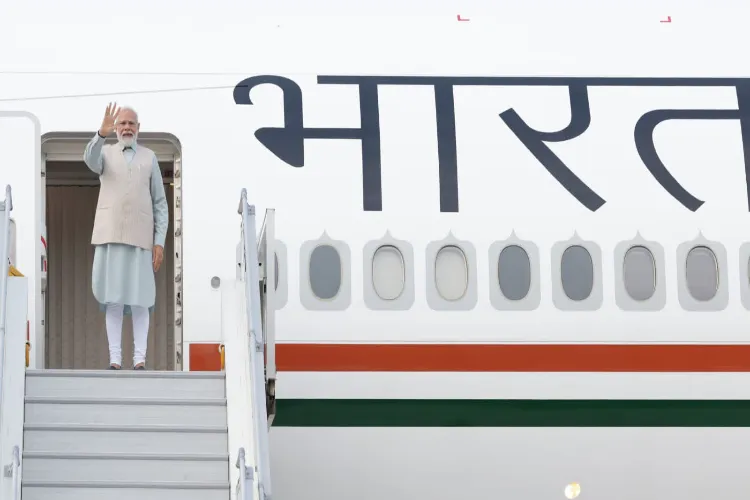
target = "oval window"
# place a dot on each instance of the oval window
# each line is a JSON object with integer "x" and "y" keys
{"x": 639, "y": 273}
{"x": 325, "y": 272}
{"x": 577, "y": 273}
{"x": 514, "y": 272}
{"x": 388, "y": 272}
{"x": 451, "y": 273}
{"x": 275, "y": 271}
{"x": 702, "y": 273}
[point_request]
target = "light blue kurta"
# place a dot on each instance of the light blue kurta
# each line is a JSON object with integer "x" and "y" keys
{"x": 124, "y": 274}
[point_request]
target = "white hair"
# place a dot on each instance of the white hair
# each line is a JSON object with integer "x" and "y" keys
{"x": 131, "y": 109}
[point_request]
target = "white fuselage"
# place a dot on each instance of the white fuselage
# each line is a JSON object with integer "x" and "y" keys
{"x": 500, "y": 194}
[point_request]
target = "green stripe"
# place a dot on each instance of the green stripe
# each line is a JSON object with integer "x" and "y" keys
{"x": 511, "y": 413}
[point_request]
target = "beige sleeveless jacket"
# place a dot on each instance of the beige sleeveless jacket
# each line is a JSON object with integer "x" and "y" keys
{"x": 124, "y": 212}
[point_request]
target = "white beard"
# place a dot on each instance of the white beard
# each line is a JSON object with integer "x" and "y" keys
{"x": 127, "y": 141}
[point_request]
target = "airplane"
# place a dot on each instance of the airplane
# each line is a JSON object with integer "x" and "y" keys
{"x": 501, "y": 256}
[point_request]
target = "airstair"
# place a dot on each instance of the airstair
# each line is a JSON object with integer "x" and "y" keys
{"x": 125, "y": 434}
{"x": 146, "y": 435}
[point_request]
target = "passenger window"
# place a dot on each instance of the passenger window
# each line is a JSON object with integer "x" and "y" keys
{"x": 577, "y": 273}
{"x": 702, "y": 273}
{"x": 276, "y": 271}
{"x": 388, "y": 272}
{"x": 325, "y": 272}
{"x": 639, "y": 273}
{"x": 451, "y": 273}
{"x": 514, "y": 272}
{"x": 744, "y": 270}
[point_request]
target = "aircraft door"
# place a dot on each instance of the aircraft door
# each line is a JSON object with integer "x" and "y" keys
{"x": 268, "y": 276}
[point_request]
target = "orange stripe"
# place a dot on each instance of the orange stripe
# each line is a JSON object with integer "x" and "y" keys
{"x": 512, "y": 358}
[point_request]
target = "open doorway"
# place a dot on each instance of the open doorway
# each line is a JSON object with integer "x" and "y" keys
{"x": 75, "y": 334}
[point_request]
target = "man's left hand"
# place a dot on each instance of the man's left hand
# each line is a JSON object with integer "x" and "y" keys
{"x": 158, "y": 257}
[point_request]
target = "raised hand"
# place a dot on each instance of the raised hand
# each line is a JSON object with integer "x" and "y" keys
{"x": 110, "y": 120}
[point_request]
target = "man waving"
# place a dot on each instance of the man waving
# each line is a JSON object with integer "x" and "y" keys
{"x": 130, "y": 228}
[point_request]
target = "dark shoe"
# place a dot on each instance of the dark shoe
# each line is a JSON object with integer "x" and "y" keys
{"x": 139, "y": 367}
{"x": 112, "y": 367}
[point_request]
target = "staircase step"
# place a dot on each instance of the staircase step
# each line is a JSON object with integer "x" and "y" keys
{"x": 77, "y": 438}
{"x": 126, "y": 383}
{"x": 124, "y": 467}
{"x": 99, "y": 490}
{"x": 91, "y": 435}
{"x": 125, "y": 410}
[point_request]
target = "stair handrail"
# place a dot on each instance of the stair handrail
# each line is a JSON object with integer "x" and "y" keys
{"x": 16, "y": 473}
{"x": 7, "y": 207}
{"x": 13, "y": 470}
{"x": 256, "y": 351}
{"x": 245, "y": 481}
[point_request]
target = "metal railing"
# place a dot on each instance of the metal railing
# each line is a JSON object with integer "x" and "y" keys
{"x": 7, "y": 207}
{"x": 256, "y": 353}
{"x": 245, "y": 481}
{"x": 14, "y": 470}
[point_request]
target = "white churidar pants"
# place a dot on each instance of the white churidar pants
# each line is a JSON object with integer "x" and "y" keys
{"x": 114, "y": 333}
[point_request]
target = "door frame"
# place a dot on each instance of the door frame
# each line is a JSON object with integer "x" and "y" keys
{"x": 69, "y": 146}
